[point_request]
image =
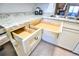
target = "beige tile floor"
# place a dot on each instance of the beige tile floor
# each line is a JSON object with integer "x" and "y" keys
{"x": 43, "y": 49}
{"x": 8, "y": 50}
{"x": 46, "y": 49}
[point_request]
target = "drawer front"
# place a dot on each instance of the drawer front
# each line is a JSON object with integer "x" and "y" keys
{"x": 30, "y": 43}
{"x": 3, "y": 39}
{"x": 2, "y": 30}
{"x": 50, "y": 37}
{"x": 71, "y": 25}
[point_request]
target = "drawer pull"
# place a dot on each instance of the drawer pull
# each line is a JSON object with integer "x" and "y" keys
{"x": 36, "y": 38}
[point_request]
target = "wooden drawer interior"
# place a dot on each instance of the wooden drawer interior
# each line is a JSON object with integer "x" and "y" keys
{"x": 51, "y": 26}
{"x": 23, "y": 32}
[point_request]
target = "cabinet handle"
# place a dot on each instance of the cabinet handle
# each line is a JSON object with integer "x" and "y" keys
{"x": 36, "y": 38}
{"x": 16, "y": 43}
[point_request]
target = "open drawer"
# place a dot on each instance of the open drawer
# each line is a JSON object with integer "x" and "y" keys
{"x": 47, "y": 25}
{"x": 22, "y": 33}
{"x": 28, "y": 37}
{"x": 51, "y": 30}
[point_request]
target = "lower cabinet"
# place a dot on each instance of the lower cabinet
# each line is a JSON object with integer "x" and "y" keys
{"x": 32, "y": 42}
{"x": 68, "y": 39}
{"x": 27, "y": 39}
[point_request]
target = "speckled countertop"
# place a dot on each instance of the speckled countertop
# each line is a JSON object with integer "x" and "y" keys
{"x": 62, "y": 19}
{"x": 14, "y": 20}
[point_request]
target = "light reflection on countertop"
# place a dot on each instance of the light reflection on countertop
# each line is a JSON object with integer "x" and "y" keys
{"x": 62, "y": 19}
{"x": 14, "y": 20}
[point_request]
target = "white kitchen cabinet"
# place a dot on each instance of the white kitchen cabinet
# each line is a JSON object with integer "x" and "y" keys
{"x": 71, "y": 25}
{"x": 27, "y": 39}
{"x": 68, "y": 39}
{"x": 49, "y": 36}
{"x": 3, "y": 39}
{"x": 51, "y": 30}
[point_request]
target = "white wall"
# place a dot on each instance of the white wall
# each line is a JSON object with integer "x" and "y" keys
{"x": 47, "y": 7}
{"x": 26, "y": 7}
{"x": 16, "y": 7}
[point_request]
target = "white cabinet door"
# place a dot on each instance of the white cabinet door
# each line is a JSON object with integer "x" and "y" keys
{"x": 3, "y": 39}
{"x": 49, "y": 37}
{"x": 71, "y": 25}
{"x": 68, "y": 39}
{"x": 76, "y": 50}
